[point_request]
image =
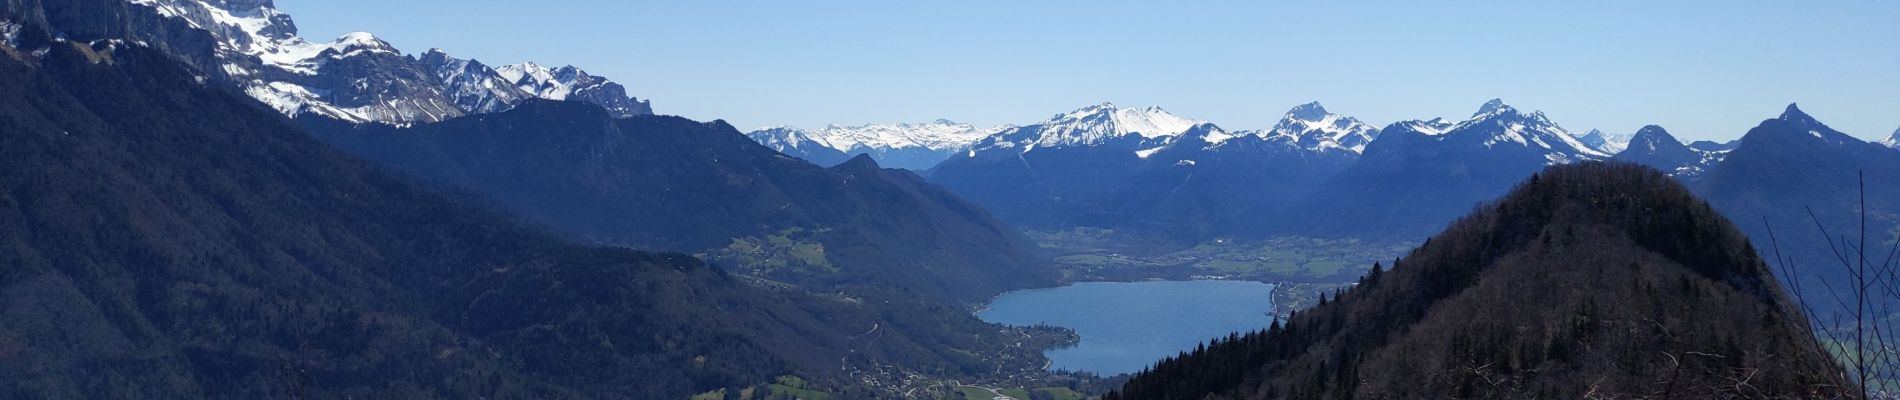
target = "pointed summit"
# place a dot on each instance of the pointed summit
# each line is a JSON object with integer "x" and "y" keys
{"x": 1652, "y": 130}
{"x": 1793, "y": 109}
{"x": 1310, "y": 112}
{"x": 437, "y": 58}
{"x": 1491, "y": 107}
{"x": 1654, "y": 146}
{"x": 1810, "y": 126}
{"x": 861, "y": 162}
{"x": 1498, "y": 125}
{"x": 1311, "y": 127}
{"x": 1594, "y": 138}
{"x": 1794, "y": 115}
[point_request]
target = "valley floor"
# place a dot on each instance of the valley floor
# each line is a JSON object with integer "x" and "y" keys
{"x": 1300, "y": 268}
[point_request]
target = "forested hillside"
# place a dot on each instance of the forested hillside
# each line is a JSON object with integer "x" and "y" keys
{"x": 1587, "y": 281}
{"x": 161, "y": 238}
{"x": 670, "y": 183}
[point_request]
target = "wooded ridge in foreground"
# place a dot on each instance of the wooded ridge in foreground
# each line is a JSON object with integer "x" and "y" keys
{"x": 1600, "y": 280}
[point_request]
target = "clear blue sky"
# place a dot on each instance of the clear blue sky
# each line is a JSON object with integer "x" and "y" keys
{"x": 1703, "y": 69}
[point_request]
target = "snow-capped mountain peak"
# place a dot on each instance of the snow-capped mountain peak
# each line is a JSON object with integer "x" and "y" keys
{"x": 529, "y": 72}
{"x": 1152, "y": 122}
{"x": 1534, "y": 129}
{"x": 572, "y": 83}
{"x": 1497, "y": 125}
{"x": 537, "y": 79}
{"x": 356, "y": 77}
{"x": 1892, "y": 141}
{"x": 1607, "y": 143}
{"x": 1097, "y": 124}
{"x": 1105, "y": 124}
{"x": 1432, "y": 127}
{"x": 1313, "y": 128}
{"x": 1493, "y": 106}
{"x": 784, "y": 138}
{"x": 900, "y": 145}
{"x": 364, "y": 41}
{"x": 473, "y": 86}
{"x": 1310, "y": 112}
{"x": 1208, "y": 134}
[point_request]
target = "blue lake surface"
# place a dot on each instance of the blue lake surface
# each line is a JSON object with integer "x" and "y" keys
{"x": 1129, "y": 326}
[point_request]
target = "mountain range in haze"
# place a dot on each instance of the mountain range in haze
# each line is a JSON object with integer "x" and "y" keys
{"x": 1154, "y": 174}
{"x": 904, "y": 145}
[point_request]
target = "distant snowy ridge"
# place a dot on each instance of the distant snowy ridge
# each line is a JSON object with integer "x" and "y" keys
{"x": 1306, "y": 129}
{"x": 1607, "y": 143}
{"x": 1148, "y": 131}
{"x": 1104, "y": 122}
{"x": 942, "y": 134}
{"x": 1892, "y": 141}
{"x": 903, "y": 145}
{"x": 1133, "y": 129}
{"x": 360, "y": 78}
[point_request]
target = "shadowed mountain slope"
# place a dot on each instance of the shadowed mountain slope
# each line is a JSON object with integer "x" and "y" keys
{"x": 161, "y": 238}
{"x": 674, "y": 184}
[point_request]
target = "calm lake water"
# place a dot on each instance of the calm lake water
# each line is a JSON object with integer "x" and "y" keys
{"x": 1128, "y": 326}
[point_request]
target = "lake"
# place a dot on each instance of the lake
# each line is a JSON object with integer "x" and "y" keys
{"x": 1127, "y": 326}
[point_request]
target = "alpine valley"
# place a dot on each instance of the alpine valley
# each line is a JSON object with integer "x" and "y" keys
{"x": 198, "y": 202}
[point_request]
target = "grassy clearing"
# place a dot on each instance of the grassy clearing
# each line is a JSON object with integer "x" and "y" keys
{"x": 795, "y": 387}
{"x": 1062, "y": 393}
{"x": 1056, "y": 392}
{"x": 1088, "y": 253}
{"x": 975, "y": 393}
{"x": 791, "y": 249}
